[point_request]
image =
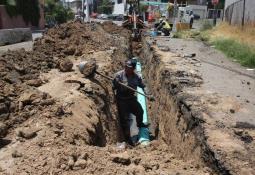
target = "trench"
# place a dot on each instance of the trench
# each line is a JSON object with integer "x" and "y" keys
{"x": 171, "y": 120}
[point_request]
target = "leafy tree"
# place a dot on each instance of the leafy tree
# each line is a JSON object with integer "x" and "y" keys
{"x": 106, "y": 7}
{"x": 143, "y": 8}
{"x": 54, "y": 10}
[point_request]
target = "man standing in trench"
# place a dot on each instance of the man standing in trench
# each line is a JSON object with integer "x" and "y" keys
{"x": 126, "y": 99}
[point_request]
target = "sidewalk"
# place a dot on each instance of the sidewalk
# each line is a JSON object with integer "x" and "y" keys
{"x": 26, "y": 45}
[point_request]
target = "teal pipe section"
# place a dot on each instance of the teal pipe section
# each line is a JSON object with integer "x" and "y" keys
{"x": 141, "y": 99}
{"x": 143, "y": 135}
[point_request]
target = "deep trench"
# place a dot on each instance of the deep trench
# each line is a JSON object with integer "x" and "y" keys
{"x": 171, "y": 120}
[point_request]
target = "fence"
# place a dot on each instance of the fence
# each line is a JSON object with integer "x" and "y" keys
{"x": 241, "y": 13}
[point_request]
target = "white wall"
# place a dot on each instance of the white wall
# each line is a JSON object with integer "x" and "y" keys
{"x": 201, "y": 10}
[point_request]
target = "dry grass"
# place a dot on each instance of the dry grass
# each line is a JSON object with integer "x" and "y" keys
{"x": 245, "y": 35}
{"x": 235, "y": 42}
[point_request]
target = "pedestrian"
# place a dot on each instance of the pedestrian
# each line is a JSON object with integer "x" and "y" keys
{"x": 126, "y": 99}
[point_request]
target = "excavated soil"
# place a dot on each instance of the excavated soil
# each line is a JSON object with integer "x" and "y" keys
{"x": 53, "y": 120}
{"x": 188, "y": 118}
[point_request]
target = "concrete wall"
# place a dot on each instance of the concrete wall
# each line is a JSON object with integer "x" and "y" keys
{"x": 201, "y": 10}
{"x": 17, "y": 35}
{"x": 7, "y": 22}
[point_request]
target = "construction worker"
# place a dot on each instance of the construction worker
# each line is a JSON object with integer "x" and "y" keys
{"x": 164, "y": 26}
{"x": 126, "y": 100}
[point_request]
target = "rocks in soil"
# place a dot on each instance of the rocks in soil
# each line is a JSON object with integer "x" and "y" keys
{"x": 70, "y": 162}
{"x": 244, "y": 136}
{"x": 244, "y": 125}
{"x": 164, "y": 48}
{"x": 30, "y": 96}
{"x": 80, "y": 163}
{"x": 65, "y": 65}
{"x": 26, "y": 133}
{"x": 189, "y": 55}
{"x": 121, "y": 158}
{"x": 3, "y": 129}
{"x": 232, "y": 111}
{"x": 34, "y": 82}
{"x": 16, "y": 154}
{"x": 47, "y": 102}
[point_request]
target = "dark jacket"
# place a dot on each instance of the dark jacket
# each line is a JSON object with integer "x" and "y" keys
{"x": 133, "y": 81}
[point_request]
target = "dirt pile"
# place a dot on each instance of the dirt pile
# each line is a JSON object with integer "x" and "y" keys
{"x": 111, "y": 28}
{"x": 20, "y": 70}
{"x": 19, "y": 99}
{"x": 74, "y": 38}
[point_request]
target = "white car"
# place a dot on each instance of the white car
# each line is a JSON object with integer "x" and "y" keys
{"x": 102, "y": 16}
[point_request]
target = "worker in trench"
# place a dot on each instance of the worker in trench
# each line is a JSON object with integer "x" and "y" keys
{"x": 163, "y": 26}
{"x": 126, "y": 99}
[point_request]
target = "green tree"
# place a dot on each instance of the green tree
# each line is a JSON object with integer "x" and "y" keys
{"x": 54, "y": 10}
{"x": 105, "y": 7}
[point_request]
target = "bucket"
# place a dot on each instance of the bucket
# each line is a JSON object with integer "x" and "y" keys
{"x": 154, "y": 33}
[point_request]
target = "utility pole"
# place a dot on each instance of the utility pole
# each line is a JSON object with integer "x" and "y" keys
{"x": 87, "y": 11}
{"x": 175, "y": 15}
{"x": 243, "y": 13}
{"x": 82, "y": 9}
{"x": 214, "y": 15}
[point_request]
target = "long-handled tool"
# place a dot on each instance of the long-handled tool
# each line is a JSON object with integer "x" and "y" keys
{"x": 89, "y": 69}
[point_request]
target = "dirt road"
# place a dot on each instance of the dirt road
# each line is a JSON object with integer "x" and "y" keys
{"x": 221, "y": 77}
{"x": 217, "y": 93}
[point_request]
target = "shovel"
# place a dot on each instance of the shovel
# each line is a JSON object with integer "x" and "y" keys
{"x": 89, "y": 69}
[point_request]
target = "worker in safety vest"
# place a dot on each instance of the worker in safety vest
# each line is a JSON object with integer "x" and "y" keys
{"x": 164, "y": 26}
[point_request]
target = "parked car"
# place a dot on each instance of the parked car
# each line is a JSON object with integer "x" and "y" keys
{"x": 196, "y": 16}
{"x": 102, "y": 16}
{"x": 119, "y": 18}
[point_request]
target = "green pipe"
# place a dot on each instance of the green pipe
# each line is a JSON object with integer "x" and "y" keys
{"x": 143, "y": 135}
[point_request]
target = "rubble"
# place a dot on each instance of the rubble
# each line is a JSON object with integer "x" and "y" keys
{"x": 121, "y": 158}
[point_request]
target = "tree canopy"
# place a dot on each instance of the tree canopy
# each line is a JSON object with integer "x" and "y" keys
{"x": 55, "y": 10}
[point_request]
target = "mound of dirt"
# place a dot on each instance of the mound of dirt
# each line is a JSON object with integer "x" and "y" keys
{"x": 110, "y": 27}
{"x": 20, "y": 70}
{"x": 75, "y": 38}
